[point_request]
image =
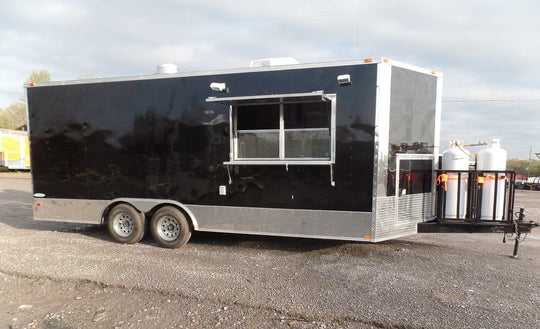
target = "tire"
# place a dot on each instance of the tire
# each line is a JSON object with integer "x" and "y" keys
{"x": 126, "y": 224}
{"x": 170, "y": 227}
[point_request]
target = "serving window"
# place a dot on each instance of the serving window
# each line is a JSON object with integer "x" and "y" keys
{"x": 282, "y": 129}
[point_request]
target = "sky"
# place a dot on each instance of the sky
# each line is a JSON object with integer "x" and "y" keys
{"x": 487, "y": 50}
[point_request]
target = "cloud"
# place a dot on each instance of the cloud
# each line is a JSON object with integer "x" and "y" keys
{"x": 486, "y": 50}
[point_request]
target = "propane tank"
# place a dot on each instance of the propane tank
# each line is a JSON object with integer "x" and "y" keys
{"x": 455, "y": 158}
{"x": 492, "y": 160}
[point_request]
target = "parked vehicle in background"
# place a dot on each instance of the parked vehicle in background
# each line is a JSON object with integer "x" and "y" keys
{"x": 532, "y": 183}
{"x": 14, "y": 150}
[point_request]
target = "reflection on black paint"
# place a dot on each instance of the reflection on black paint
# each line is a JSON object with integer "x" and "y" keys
{"x": 412, "y": 122}
{"x": 158, "y": 138}
{"x": 415, "y": 176}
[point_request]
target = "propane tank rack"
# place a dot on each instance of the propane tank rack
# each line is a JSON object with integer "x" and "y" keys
{"x": 486, "y": 206}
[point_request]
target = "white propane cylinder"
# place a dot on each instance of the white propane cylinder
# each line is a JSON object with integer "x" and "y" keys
{"x": 492, "y": 160}
{"x": 455, "y": 158}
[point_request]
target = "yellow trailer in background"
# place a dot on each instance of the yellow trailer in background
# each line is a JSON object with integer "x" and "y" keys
{"x": 14, "y": 150}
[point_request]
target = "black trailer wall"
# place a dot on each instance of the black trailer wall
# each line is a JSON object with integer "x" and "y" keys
{"x": 158, "y": 138}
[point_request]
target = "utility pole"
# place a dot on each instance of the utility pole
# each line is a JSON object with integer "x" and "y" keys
{"x": 529, "y": 166}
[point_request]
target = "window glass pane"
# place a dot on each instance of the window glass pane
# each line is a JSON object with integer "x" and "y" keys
{"x": 250, "y": 117}
{"x": 415, "y": 176}
{"x": 258, "y": 144}
{"x": 307, "y": 143}
{"x": 307, "y": 115}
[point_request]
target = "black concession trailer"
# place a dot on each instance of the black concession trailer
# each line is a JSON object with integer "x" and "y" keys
{"x": 340, "y": 150}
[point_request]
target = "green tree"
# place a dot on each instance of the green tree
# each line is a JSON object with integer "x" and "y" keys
{"x": 15, "y": 115}
{"x": 535, "y": 167}
{"x": 522, "y": 167}
{"x": 41, "y": 76}
{"x": 514, "y": 164}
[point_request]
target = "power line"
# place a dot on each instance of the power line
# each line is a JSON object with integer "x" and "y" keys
{"x": 533, "y": 100}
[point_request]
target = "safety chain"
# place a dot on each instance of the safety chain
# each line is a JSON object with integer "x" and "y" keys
{"x": 517, "y": 235}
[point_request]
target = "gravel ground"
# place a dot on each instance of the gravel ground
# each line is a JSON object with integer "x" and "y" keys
{"x": 56, "y": 275}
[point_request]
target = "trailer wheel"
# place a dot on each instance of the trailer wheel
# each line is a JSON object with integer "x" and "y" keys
{"x": 170, "y": 227}
{"x": 126, "y": 224}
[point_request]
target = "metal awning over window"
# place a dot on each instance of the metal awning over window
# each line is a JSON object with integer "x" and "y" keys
{"x": 315, "y": 96}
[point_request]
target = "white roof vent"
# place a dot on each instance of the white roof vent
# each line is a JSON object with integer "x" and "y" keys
{"x": 167, "y": 69}
{"x": 276, "y": 61}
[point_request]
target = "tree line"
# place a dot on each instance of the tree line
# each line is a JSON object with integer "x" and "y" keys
{"x": 523, "y": 167}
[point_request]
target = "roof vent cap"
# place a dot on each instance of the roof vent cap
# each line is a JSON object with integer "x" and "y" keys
{"x": 167, "y": 69}
{"x": 276, "y": 61}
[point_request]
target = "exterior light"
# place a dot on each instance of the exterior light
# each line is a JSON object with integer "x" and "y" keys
{"x": 344, "y": 79}
{"x": 219, "y": 86}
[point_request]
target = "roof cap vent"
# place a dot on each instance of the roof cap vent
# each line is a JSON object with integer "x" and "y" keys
{"x": 167, "y": 69}
{"x": 276, "y": 61}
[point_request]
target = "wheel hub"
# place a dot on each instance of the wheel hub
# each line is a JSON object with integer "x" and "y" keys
{"x": 168, "y": 228}
{"x": 123, "y": 225}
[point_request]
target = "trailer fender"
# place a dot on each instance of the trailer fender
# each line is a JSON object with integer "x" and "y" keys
{"x": 149, "y": 205}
